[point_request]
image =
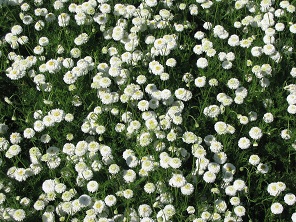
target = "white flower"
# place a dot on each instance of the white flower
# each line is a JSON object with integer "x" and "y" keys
{"x": 169, "y": 211}
{"x": 92, "y": 186}
{"x": 293, "y": 217}
{"x": 187, "y": 189}
{"x": 178, "y": 27}
{"x": 15, "y": 138}
{"x": 205, "y": 216}
{"x": 164, "y": 76}
{"x": 128, "y": 193}
{"x": 117, "y": 33}
{"x": 202, "y": 63}
{"x": 175, "y": 162}
{"x": 290, "y": 199}
{"x": 216, "y": 146}
{"x": 240, "y": 211}
{"x": 269, "y": 49}
{"x": 13, "y": 150}
{"x": 263, "y": 168}
{"x": 190, "y": 210}
{"x": 149, "y": 188}
{"x": 268, "y": 117}
{"x": 291, "y": 99}
{"x": 281, "y": 186}
{"x": 60, "y": 188}
{"x": 197, "y": 49}
{"x": 66, "y": 207}
{"x": 220, "y": 127}
{"x": 244, "y": 143}
{"x": 19, "y": 215}
{"x": 254, "y": 160}
{"x": 199, "y": 35}
{"x": 177, "y": 180}
{"x": 39, "y": 205}
{"x": 105, "y": 8}
{"x": 256, "y": 51}
{"x": 214, "y": 167}
{"x": 110, "y": 200}
{"x": 48, "y": 186}
{"x": 239, "y": 184}
{"x": 233, "y": 83}
{"x": 279, "y": 27}
{"x": 144, "y": 210}
{"x": 213, "y": 82}
{"x": 171, "y": 62}
{"x": 85, "y": 200}
{"x": 220, "y": 157}
{"x": 233, "y": 40}
{"x": 212, "y": 111}
{"x": 230, "y": 190}
{"x": 276, "y": 208}
{"x": 151, "y": 3}
{"x": 129, "y": 176}
{"x": 291, "y": 109}
{"x": 245, "y": 43}
{"x": 99, "y": 206}
{"x": 226, "y": 65}
{"x": 286, "y": 134}
{"x": 189, "y": 137}
{"x": 293, "y": 72}
{"x": 255, "y": 133}
{"x": 235, "y": 201}
{"x": 200, "y": 81}
{"x": 209, "y": 177}
{"x": 292, "y": 28}
{"x": 63, "y": 19}
{"x": 105, "y": 150}
{"x": 113, "y": 169}
{"x": 290, "y": 8}
{"x": 220, "y": 205}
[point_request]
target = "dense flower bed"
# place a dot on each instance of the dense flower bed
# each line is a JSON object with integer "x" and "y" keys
{"x": 147, "y": 110}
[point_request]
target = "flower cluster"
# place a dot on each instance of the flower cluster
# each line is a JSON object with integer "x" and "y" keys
{"x": 147, "y": 111}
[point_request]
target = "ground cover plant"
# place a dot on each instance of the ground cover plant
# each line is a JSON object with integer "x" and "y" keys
{"x": 147, "y": 110}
